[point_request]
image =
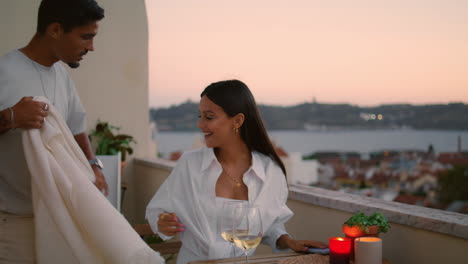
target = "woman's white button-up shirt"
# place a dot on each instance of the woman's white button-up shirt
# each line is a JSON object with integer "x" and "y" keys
{"x": 190, "y": 193}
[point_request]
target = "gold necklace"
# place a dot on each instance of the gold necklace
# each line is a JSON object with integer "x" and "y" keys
{"x": 236, "y": 181}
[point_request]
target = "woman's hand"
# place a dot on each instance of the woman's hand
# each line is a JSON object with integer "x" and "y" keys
{"x": 304, "y": 245}
{"x": 169, "y": 224}
{"x": 298, "y": 245}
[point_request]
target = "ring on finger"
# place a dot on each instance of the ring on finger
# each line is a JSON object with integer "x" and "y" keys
{"x": 46, "y": 107}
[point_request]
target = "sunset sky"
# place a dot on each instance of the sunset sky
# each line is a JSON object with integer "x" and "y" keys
{"x": 363, "y": 52}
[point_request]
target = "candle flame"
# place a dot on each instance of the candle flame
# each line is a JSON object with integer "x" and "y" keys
{"x": 368, "y": 239}
{"x": 340, "y": 245}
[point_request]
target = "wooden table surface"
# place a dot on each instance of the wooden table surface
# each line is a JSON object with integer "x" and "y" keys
{"x": 284, "y": 258}
{"x": 270, "y": 258}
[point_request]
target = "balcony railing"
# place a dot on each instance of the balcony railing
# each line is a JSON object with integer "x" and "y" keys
{"x": 418, "y": 234}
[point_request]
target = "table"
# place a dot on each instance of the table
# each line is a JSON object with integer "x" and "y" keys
{"x": 283, "y": 258}
{"x": 270, "y": 258}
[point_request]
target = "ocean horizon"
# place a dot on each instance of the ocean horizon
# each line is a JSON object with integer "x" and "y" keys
{"x": 362, "y": 141}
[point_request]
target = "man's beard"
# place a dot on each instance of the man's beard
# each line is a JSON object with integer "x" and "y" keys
{"x": 76, "y": 64}
{"x": 73, "y": 64}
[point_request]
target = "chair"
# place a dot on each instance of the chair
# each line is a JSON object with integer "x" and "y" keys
{"x": 164, "y": 248}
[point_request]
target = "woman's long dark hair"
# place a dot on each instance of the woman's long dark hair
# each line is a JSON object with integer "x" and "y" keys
{"x": 235, "y": 97}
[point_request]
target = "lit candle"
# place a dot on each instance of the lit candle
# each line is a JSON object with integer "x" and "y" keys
{"x": 368, "y": 250}
{"x": 340, "y": 249}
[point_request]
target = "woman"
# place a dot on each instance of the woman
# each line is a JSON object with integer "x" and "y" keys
{"x": 239, "y": 163}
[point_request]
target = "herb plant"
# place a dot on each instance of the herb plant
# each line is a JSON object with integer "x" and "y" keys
{"x": 363, "y": 221}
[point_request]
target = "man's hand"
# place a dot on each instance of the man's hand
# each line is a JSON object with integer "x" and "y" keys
{"x": 29, "y": 114}
{"x": 83, "y": 141}
{"x": 100, "y": 182}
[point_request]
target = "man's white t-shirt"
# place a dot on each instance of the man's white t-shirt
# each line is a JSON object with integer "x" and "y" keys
{"x": 19, "y": 77}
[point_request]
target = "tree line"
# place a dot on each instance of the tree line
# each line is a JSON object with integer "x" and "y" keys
{"x": 326, "y": 117}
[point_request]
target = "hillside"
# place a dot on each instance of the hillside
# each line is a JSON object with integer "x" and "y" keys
{"x": 325, "y": 117}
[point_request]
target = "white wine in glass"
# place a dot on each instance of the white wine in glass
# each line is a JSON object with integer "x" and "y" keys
{"x": 226, "y": 218}
{"x": 247, "y": 242}
{"x": 228, "y": 235}
{"x": 247, "y": 230}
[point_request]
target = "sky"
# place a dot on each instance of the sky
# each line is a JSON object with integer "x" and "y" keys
{"x": 361, "y": 52}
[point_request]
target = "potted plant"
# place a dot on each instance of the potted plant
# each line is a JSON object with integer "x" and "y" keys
{"x": 108, "y": 142}
{"x": 360, "y": 225}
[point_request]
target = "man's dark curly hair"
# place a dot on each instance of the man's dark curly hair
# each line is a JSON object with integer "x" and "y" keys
{"x": 68, "y": 13}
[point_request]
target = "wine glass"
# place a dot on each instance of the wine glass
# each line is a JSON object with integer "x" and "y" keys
{"x": 247, "y": 229}
{"x": 226, "y": 218}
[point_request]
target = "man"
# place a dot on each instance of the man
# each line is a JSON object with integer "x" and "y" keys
{"x": 65, "y": 32}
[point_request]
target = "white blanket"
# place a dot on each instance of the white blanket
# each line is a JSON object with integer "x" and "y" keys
{"x": 74, "y": 222}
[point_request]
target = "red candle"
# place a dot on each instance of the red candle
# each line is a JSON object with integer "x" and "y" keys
{"x": 340, "y": 249}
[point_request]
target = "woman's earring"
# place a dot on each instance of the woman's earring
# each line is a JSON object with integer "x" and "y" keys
{"x": 236, "y": 130}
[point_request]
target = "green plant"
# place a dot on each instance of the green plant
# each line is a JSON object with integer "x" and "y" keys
{"x": 108, "y": 143}
{"x": 363, "y": 221}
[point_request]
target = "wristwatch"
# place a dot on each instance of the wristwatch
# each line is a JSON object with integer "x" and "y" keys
{"x": 96, "y": 162}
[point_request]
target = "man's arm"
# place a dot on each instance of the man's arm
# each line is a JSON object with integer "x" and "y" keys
{"x": 83, "y": 141}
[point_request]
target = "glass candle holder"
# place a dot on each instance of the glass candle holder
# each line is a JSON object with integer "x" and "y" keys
{"x": 368, "y": 250}
{"x": 340, "y": 250}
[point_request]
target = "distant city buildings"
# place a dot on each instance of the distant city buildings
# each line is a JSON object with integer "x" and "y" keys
{"x": 409, "y": 176}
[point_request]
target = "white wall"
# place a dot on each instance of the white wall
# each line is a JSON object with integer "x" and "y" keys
{"x": 17, "y": 23}
{"x": 113, "y": 80}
